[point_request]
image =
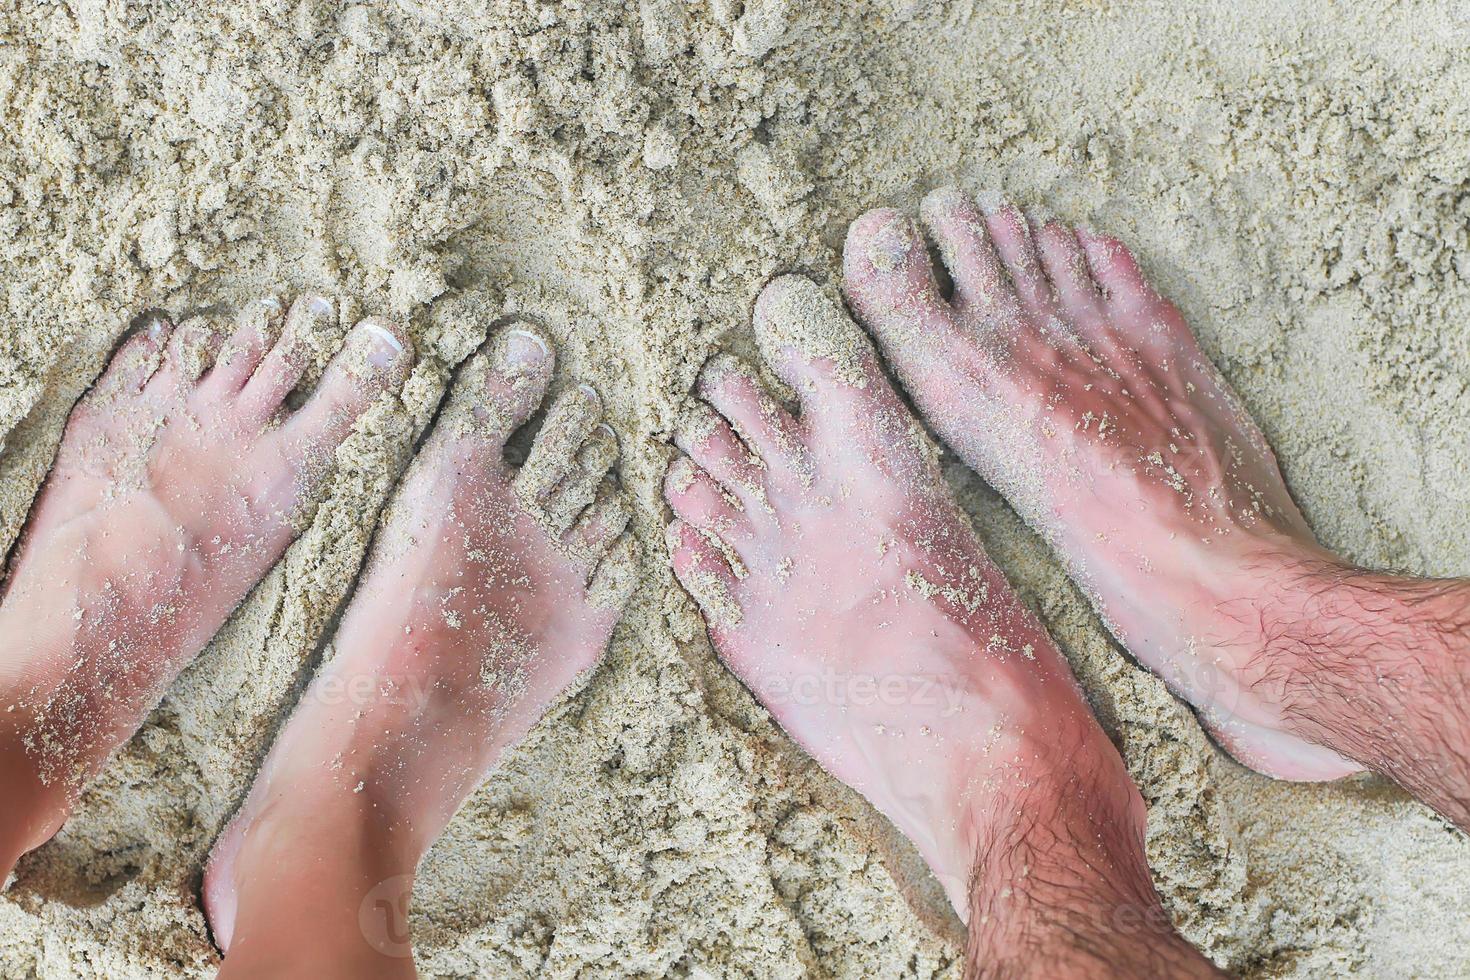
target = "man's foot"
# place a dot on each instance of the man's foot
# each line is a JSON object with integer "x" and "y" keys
{"x": 1063, "y": 378}
{"x": 180, "y": 480}
{"x": 842, "y": 584}
{"x": 489, "y": 591}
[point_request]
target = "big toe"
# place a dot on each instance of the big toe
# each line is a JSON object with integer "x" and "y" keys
{"x": 376, "y": 358}
{"x": 889, "y": 280}
{"x": 814, "y": 347}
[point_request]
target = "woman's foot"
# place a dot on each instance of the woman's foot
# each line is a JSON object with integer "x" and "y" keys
{"x": 488, "y": 592}
{"x": 842, "y": 584}
{"x": 1063, "y": 378}
{"x": 180, "y": 480}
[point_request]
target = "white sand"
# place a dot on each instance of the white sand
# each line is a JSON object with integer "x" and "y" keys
{"x": 1294, "y": 173}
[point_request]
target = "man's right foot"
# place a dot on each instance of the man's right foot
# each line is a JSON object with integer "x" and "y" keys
{"x": 1061, "y": 376}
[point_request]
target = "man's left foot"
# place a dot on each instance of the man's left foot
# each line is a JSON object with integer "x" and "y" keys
{"x": 489, "y": 591}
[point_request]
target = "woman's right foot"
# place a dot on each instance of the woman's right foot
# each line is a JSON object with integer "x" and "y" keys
{"x": 1061, "y": 376}
{"x": 488, "y": 592}
{"x": 180, "y": 480}
{"x": 843, "y": 585}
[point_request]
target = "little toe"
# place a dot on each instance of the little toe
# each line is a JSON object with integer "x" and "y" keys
{"x": 376, "y": 358}
{"x": 1135, "y": 308}
{"x": 981, "y": 287}
{"x": 135, "y": 361}
{"x": 705, "y": 574}
{"x": 569, "y": 422}
{"x": 889, "y": 280}
{"x": 598, "y": 526}
{"x": 730, "y": 387}
{"x": 280, "y": 370}
{"x": 1011, "y": 233}
{"x": 503, "y": 385}
{"x": 617, "y": 575}
{"x": 590, "y": 466}
{"x": 257, "y": 328}
{"x": 709, "y": 441}
{"x": 698, "y": 500}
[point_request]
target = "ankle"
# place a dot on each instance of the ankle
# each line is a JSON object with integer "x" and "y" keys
{"x": 1061, "y": 886}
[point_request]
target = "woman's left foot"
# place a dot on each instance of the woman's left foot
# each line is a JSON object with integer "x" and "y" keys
{"x": 489, "y": 591}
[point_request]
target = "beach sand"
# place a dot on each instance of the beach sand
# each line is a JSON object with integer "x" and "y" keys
{"x": 1296, "y": 175}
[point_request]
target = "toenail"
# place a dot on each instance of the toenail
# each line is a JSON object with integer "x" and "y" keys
{"x": 156, "y": 325}
{"x": 321, "y": 306}
{"x": 990, "y": 202}
{"x": 386, "y": 347}
{"x": 524, "y": 348}
{"x": 590, "y": 393}
{"x": 273, "y": 304}
{"x": 890, "y": 244}
{"x": 606, "y": 432}
{"x": 681, "y": 474}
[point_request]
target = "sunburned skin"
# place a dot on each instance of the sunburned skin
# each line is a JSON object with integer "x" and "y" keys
{"x": 1063, "y": 378}
{"x": 180, "y": 480}
{"x": 489, "y": 591}
{"x": 842, "y": 584}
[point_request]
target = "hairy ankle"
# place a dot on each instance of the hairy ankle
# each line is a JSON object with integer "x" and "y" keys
{"x": 1377, "y": 668}
{"x": 1061, "y": 886}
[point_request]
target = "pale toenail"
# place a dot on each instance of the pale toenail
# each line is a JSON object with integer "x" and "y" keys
{"x": 591, "y": 395}
{"x": 386, "y": 348}
{"x": 321, "y": 306}
{"x": 990, "y": 202}
{"x": 606, "y": 432}
{"x": 156, "y": 325}
{"x": 681, "y": 474}
{"x": 890, "y": 245}
{"x": 524, "y": 349}
{"x": 273, "y": 304}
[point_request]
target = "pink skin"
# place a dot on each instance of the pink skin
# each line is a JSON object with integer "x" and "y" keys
{"x": 864, "y": 613}
{"x": 180, "y": 480}
{"x": 1066, "y": 381}
{"x": 489, "y": 592}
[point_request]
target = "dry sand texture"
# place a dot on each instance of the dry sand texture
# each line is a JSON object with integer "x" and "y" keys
{"x": 1294, "y": 172}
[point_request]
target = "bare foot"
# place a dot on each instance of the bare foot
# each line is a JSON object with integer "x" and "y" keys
{"x": 843, "y": 585}
{"x": 489, "y": 592}
{"x": 1065, "y": 380}
{"x": 179, "y": 482}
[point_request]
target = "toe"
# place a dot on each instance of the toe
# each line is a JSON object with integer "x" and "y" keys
{"x": 1117, "y": 272}
{"x": 617, "y": 575}
{"x": 709, "y": 440}
{"x": 1139, "y": 315}
{"x": 981, "y": 287}
{"x": 500, "y": 388}
{"x": 590, "y": 466}
{"x": 730, "y": 387}
{"x": 190, "y": 353}
{"x": 598, "y": 526}
{"x": 705, "y": 575}
{"x": 569, "y": 423}
{"x": 1066, "y": 266}
{"x": 889, "y": 280}
{"x": 376, "y": 358}
{"x": 822, "y": 354}
{"x": 698, "y": 500}
{"x": 257, "y": 328}
{"x": 1011, "y": 233}
{"x": 308, "y": 321}
{"x": 136, "y": 360}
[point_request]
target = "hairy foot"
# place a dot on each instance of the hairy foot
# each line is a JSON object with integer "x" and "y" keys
{"x": 489, "y": 591}
{"x": 180, "y": 480}
{"x": 1062, "y": 377}
{"x": 842, "y": 584}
